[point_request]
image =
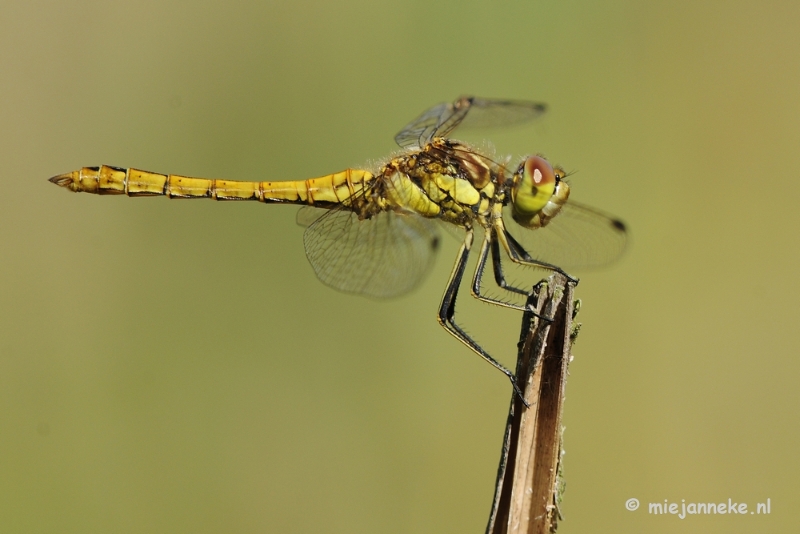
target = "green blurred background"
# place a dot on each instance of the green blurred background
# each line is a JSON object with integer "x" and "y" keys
{"x": 173, "y": 366}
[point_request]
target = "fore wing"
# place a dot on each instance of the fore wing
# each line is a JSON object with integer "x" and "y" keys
{"x": 466, "y": 112}
{"x": 579, "y": 237}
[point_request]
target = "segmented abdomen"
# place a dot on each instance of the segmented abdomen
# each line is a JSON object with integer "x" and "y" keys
{"x": 106, "y": 180}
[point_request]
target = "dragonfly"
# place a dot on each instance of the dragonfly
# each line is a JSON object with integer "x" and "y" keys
{"x": 375, "y": 232}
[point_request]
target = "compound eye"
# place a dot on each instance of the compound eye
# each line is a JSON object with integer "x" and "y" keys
{"x": 538, "y": 173}
{"x": 533, "y": 188}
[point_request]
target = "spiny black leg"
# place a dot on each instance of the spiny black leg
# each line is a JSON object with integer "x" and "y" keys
{"x": 518, "y": 254}
{"x": 447, "y": 311}
{"x": 477, "y": 280}
{"x": 517, "y": 247}
{"x": 498, "y": 270}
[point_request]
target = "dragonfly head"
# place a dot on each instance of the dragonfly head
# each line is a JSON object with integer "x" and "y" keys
{"x": 537, "y": 192}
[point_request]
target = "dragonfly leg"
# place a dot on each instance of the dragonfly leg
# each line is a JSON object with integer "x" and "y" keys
{"x": 499, "y": 278}
{"x": 490, "y": 244}
{"x": 447, "y": 311}
{"x": 518, "y": 254}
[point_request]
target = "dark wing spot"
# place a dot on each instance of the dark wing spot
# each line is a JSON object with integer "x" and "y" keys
{"x": 619, "y": 225}
{"x": 435, "y": 243}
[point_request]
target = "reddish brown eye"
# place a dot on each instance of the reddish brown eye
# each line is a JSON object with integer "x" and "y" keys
{"x": 539, "y": 171}
{"x": 532, "y": 190}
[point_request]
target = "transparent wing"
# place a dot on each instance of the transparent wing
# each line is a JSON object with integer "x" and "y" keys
{"x": 308, "y": 214}
{"x": 493, "y": 113}
{"x": 423, "y": 128}
{"x": 384, "y": 256}
{"x": 466, "y": 112}
{"x": 579, "y": 237}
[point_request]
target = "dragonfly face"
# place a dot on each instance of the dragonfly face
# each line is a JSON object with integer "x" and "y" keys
{"x": 537, "y": 192}
{"x": 376, "y": 232}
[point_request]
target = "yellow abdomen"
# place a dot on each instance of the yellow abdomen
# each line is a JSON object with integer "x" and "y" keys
{"x": 325, "y": 190}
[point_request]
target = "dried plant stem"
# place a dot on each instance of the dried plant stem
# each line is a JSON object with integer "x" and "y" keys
{"x": 527, "y": 493}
